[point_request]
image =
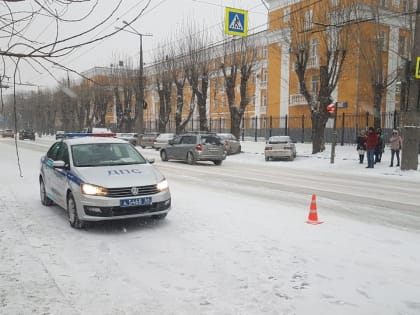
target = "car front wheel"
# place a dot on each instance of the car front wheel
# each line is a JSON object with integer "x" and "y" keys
{"x": 44, "y": 199}
{"x": 74, "y": 220}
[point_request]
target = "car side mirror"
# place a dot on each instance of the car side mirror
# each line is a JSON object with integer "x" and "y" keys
{"x": 151, "y": 161}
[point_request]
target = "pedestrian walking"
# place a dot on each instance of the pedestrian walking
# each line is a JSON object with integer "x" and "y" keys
{"x": 380, "y": 146}
{"x": 395, "y": 143}
{"x": 371, "y": 143}
{"x": 361, "y": 145}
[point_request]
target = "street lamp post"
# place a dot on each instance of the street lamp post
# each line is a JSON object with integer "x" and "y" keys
{"x": 139, "y": 123}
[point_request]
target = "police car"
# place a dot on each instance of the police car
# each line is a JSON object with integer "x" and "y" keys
{"x": 101, "y": 178}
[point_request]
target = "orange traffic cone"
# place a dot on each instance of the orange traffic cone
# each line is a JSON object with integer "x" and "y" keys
{"x": 313, "y": 215}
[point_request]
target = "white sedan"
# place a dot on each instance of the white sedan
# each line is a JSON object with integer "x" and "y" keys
{"x": 280, "y": 147}
{"x": 101, "y": 178}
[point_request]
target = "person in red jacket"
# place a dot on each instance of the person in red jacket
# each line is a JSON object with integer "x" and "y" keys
{"x": 371, "y": 143}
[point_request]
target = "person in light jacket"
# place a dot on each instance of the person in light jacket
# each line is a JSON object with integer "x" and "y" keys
{"x": 395, "y": 143}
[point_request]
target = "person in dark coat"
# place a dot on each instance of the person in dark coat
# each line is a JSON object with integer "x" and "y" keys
{"x": 361, "y": 145}
{"x": 371, "y": 143}
{"x": 380, "y": 146}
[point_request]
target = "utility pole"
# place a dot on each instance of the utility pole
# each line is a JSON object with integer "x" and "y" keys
{"x": 139, "y": 123}
{"x": 411, "y": 127}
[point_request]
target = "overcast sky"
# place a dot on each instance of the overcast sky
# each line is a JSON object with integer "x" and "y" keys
{"x": 163, "y": 19}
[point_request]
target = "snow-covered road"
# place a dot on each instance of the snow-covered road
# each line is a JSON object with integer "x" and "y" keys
{"x": 235, "y": 242}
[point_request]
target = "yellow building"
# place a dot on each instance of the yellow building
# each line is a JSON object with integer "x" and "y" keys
{"x": 371, "y": 24}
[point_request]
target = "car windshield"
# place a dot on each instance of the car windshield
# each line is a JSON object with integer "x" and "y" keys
{"x": 103, "y": 154}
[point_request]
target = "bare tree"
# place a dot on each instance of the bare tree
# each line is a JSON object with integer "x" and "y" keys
{"x": 197, "y": 69}
{"x": 22, "y": 43}
{"x": 163, "y": 79}
{"x": 239, "y": 59}
{"x": 330, "y": 26}
{"x": 177, "y": 64}
{"x": 373, "y": 48}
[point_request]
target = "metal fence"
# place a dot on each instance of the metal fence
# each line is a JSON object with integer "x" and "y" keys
{"x": 298, "y": 128}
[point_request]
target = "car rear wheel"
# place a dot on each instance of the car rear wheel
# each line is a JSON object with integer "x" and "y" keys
{"x": 163, "y": 156}
{"x": 44, "y": 199}
{"x": 267, "y": 158}
{"x": 190, "y": 158}
{"x": 292, "y": 157}
{"x": 218, "y": 162}
{"x": 74, "y": 220}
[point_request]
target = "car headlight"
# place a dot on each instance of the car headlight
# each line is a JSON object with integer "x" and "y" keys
{"x": 163, "y": 185}
{"x": 89, "y": 189}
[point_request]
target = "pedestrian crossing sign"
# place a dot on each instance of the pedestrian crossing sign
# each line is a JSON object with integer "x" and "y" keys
{"x": 417, "y": 74}
{"x": 236, "y": 22}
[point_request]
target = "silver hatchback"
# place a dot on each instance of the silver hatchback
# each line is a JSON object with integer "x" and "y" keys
{"x": 195, "y": 147}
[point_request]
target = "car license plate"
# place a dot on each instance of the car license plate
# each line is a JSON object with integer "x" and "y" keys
{"x": 136, "y": 202}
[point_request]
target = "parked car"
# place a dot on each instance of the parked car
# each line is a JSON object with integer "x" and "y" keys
{"x": 280, "y": 147}
{"x": 8, "y": 133}
{"x": 232, "y": 144}
{"x": 162, "y": 140}
{"x": 128, "y": 136}
{"x": 59, "y": 134}
{"x": 26, "y": 134}
{"x": 102, "y": 178}
{"x": 148, "y": 139}
{"x": 194, "y": 147}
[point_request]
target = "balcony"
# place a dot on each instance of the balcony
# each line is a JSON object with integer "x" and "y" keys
{"x": 297, "y": 99}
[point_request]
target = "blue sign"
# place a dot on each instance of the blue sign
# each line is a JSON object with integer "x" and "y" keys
{"x": 236, "y": 22}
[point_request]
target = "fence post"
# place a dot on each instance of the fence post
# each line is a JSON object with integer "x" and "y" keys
{"x": 303, "y": 128}
{"x": 367, "y": 120}
{"x": 342, "y": 129}
{"x": 243, "y": 128}
{"x": 271, "y": 126}
{"x": 220, "y": 124}
{"x": 286, "y": 128}
{"x": 255, "y": 125}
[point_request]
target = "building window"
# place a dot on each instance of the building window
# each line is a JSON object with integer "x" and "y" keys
{"x": 402, "y": 46}
{"x": 308, "y": 19}
{"x": 314, "y": 47}
{"x": 335, "y": 3}
{"x": 406, "y": 5}
{"x": 264, "y": 76}
{"x": 264, "y": 101}
{"x": 396, "y": 3}
{"x": 381, "y": 41}
{"x": 314, "y": 84}
{"x": 383, "y": 3}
